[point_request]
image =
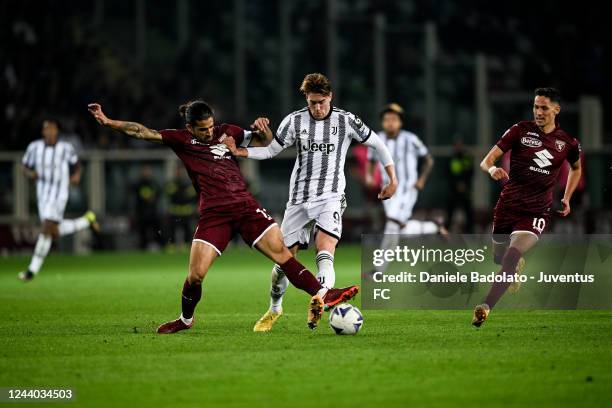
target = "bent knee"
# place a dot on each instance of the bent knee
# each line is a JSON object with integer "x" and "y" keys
{"x": 196, "y": 274}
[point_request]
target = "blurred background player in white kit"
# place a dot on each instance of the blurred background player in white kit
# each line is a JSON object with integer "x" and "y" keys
{"x": 54, "y": 165}
{"x": 406, "y": 149}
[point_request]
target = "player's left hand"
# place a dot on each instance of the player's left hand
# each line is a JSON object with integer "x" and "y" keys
{"x": 420, "y": 184}
{"x": 388, "y": 191}
{"x": 566, "y": 208}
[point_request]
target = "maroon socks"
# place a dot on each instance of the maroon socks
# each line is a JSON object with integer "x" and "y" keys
{"x": 192, "y": 293}
{"x": 300, "y": 277}
{"x": 509, "y": 263}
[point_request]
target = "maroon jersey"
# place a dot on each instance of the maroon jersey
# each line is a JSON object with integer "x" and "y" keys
{"x": 535, "y": 161}
{"x": 214, "y": 172}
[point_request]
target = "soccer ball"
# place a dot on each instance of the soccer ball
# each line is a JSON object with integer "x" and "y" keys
{"x": 345, "y": 319}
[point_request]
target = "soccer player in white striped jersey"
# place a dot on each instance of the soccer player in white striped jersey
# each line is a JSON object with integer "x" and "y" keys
{"x": 322, "y": 135}
{"x": 406, "y": 149}
{"x": 54, "y": 165}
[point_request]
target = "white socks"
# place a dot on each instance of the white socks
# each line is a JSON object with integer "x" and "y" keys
{"x": 278, "y": 288}
{"x": 67, "y": 227}
{"x": 325, "y": 264}
{"x": 187, "y": 321}
{"x": 326, "y": 276}
{"x": 43, "y": 245}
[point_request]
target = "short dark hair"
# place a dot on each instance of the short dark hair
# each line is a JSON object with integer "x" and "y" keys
{"x": 392, "y": 108}
{"x": 193, "y": 111}
{"x": 551, "y": 93}
{"x": 316, "y": 83}
{"x": 52, "y": 119}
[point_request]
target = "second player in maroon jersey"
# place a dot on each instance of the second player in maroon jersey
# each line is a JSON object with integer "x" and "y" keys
{"x": 538, "y": 149}
{"x": 226, "y": 206}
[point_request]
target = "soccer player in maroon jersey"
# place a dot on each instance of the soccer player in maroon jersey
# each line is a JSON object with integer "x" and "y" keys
{"x": 538, "y": 150}
{"x": 226, "y": 206}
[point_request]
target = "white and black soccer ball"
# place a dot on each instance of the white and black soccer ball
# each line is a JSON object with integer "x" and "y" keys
{"x": 345, "y": 319}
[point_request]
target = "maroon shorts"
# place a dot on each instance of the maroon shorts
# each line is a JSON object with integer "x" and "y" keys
{"x": 506, "y": 221}
{"x": 217, "y": 226}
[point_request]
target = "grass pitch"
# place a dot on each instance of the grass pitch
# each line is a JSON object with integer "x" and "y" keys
{"x": 88, "y": 323}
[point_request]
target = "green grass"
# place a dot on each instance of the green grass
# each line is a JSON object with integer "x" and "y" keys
{"x": 88, "y": 323}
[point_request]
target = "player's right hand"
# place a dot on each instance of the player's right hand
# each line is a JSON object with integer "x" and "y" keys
{"x": 499, "y": 174}
{"x": 96, "y": 110}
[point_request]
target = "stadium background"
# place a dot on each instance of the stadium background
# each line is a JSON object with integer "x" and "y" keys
{"x": 462, "y": 72}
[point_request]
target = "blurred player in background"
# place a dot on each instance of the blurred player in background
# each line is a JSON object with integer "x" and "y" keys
{"x": 226, "y": 206}
{"x": 406, "y": 149}
{"x": 538, "y": 150}
{"x": 323, "y": 135}
{"x": 54, "y": 165}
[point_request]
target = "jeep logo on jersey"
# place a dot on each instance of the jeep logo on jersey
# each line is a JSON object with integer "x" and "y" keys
{"x": 543, "y": 158}
{"x": 560, "y": 145}
{"x": 325, "y": 148}
{"x": 531, "y": 142}
{"x": 219, "y": 151}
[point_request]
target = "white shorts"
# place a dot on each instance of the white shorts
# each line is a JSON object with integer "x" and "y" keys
{"x": 300, "y": 219}
{"x": 52, "y": 210}
{"x": 399, "y": 207}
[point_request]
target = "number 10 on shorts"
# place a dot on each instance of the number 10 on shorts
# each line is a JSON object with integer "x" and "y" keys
{"x": 539, "y": 224}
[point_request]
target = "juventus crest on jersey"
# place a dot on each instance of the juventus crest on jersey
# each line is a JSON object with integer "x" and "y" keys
{"x": 52, "y": 164}
{"x": 321, "y": 145}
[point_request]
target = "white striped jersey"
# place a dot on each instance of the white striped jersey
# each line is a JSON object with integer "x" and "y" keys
{"x": 318, "y": 173}
{"x": 52, "y": 164}
{"x": 405, "y": 149}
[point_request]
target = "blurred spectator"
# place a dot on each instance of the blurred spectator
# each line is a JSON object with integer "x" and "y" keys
{"x": 147, "y": 210}
{"x": 182, "y": 208}
{"x": 460, "y": 172}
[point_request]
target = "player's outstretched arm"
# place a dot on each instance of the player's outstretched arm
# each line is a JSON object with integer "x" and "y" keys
{"x": 257, "y": 153}
{"x": 573, "y": 179}
{"x": 132, "y": 129}
{"x": 488, "y": 164}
